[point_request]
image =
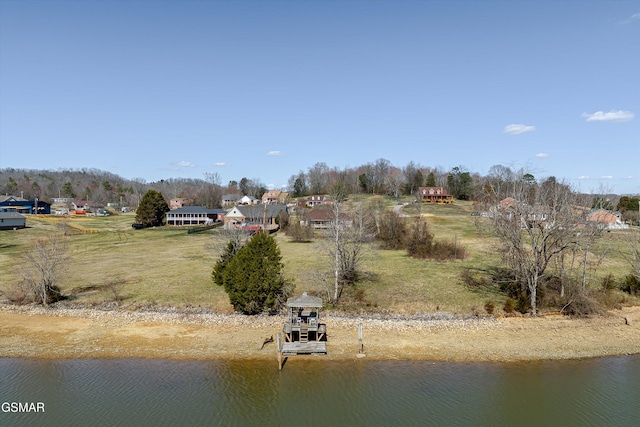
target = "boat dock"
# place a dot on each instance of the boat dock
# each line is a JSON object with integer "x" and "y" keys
{"x": 303, "y": 332}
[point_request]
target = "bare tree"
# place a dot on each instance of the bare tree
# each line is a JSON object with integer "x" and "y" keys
{"x": 348, "y": 233}
{"x": 318, "y": 178}
{"x": 533, "y": 226}
{"x": 223, "y": 237}
{"x": 632, "y": 252}
{"x": 44, "y": 261}
{"x": 394, "y": 182}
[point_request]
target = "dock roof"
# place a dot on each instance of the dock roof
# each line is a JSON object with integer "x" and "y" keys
{"x": 304, "y": 300}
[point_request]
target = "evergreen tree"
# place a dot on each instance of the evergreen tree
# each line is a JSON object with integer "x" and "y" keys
{"x": 150, "y": 212}
{"x": 218, "y": 270}
{"x": 431, "y": 180}
{"x": 253, "y": 276}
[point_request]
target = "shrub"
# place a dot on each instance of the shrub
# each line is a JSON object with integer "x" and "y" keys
{"x": 578, "y": 302}
{"x": 489, "y": 307}
{"x": 299, "y": 233}
{"x": 392, "y": 231}
{"x": 420, "y": 240}
{"x": 509, "y": 306}
{"x": 475, "y": 282}
{"x": 421, "y": 244}
{"x": 631, "y": 284}
{"x": 20, "y": 294}
{"x": 444, "y": 250}
{"x": 608, "y": 283}
{"x": 48, "y": 294}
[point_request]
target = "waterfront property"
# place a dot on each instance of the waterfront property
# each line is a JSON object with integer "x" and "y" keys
{"x": 303, "y": 332}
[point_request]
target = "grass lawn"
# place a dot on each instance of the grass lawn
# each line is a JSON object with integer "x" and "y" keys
{"x": 167, "y": 266}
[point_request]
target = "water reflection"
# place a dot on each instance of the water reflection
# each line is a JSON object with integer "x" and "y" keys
{"x": 312, "y": 391}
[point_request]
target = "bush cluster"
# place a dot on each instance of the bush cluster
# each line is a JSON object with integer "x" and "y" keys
{"x": 416, "y": 239}
{"x": 299, "y": 233}
{"x": 566, "y": 295}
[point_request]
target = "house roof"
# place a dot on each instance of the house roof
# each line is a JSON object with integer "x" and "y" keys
{"x": 603, "y": 211}
{"x": 231, "y": 196}
{"x": 258, "y": 211}
{"x": 12, "y": 198}
{"x": 325, "y": 214}
{"x": 320, "y": 214}
{"x": 304, "y": 300}
{"x": 23, "y": 202}
{"x": 11, "y": 215}
{"x": 196, "y": 210}
{"x": 272, "y": 193}
{"x": 433, "y": 190}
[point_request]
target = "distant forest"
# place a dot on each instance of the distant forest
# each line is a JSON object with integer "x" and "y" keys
{"x": 378, "y": 177}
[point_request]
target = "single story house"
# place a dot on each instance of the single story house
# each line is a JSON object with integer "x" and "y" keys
{"x": 254, "y": 216}
{"x": 608, "y": 219}
{"x": 434, "y": 195}
{"x": 12, "y": 221}
{"x": 321, "y": 218}
{"x": 29, "y": 207}
{"x": 194, "y": 215}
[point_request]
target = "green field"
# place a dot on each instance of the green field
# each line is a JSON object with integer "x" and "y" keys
{"x": 166, "y": 266}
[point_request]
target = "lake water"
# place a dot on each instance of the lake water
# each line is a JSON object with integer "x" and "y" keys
{"x": 314, "y": 392}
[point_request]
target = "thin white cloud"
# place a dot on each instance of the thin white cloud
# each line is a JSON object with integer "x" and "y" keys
{"x": 634, "y": 17}
{"x": 517, "y": 128}
{"x": 629, "y": 177}
{"x": 275, "y": 153}
{"x": 583, "y": 177}
{"x": 611, "y": 116}
{"x": 542, "y": 155}
{"x": 221, "y": 164}
{"x": 185, "y": 164}
{"x": 606, "y": 177}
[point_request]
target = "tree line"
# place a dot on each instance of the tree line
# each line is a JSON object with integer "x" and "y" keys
{"x": 377, "y": 177}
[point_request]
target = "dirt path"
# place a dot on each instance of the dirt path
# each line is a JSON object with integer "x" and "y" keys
{"x": 83, "y": 333}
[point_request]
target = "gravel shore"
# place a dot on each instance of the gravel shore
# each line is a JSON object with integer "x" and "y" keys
{"x": 72, "y": 332}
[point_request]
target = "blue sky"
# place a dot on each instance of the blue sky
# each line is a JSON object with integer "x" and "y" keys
{"x": 264, "y": 89}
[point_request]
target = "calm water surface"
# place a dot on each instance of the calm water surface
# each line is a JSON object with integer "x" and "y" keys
{"x": 313, "y": 392}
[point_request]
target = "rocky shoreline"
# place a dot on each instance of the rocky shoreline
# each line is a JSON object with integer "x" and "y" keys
{"x": 196, "y": 333}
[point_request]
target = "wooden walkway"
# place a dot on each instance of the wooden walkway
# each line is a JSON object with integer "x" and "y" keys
{"x": 310, "y": 347}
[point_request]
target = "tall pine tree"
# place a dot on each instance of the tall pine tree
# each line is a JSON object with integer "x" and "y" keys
{"x": 253, "y": 276}
{"x": 152, "y": 208}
